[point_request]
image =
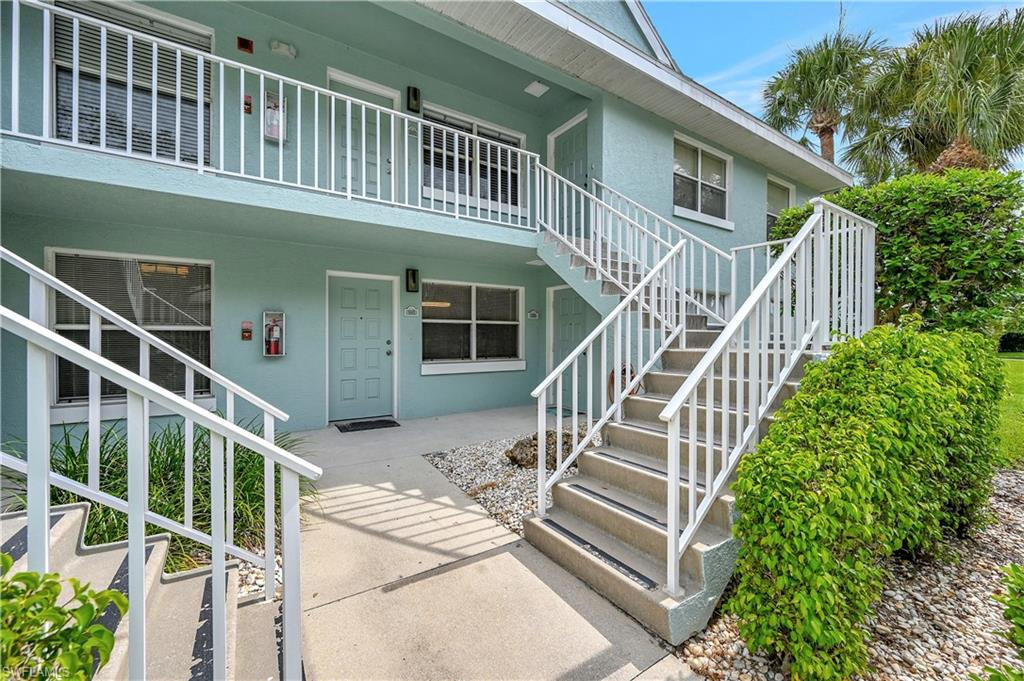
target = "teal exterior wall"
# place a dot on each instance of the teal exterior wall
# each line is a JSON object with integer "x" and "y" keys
{"x": 251, "y": 275}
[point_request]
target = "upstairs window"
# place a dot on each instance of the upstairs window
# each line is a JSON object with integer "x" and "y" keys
{"x": 457, "y": 165}
{"x": 780, "y": 197}
{"x": 168, "y": 143}
{"x": 169, "y": 298}
{"x": 471, "y": 323}
{"x": 701, "y": 183}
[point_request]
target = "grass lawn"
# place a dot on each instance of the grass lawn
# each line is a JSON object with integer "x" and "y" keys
{"x": 1012, "y": 429}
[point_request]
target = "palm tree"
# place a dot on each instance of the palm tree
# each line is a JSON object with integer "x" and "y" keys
{"x": 816, "y": 89}
{"x": 954, "y": 97}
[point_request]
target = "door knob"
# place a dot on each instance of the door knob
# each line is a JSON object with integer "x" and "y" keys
{"x": 387, "y": 352}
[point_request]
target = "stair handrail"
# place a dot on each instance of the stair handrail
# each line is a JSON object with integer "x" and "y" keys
{"x": 700, "y": 251}
{"x": 823, "y": 281}
{"x": 639, "y": 207}
{"x": 654, "y": 298}
{"x": 42, "y": 345}
{"x": 556, "y": 195}
{"x": 124, "y": 324}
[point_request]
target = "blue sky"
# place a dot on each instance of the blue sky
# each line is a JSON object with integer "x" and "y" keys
{"x": 733, "y": 47}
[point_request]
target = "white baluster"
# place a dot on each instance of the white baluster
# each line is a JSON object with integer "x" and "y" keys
{"x": 138, "y": 493}
{"x": 672, "y": 510}
{"x": 229, "y": 475}
{"x": 541, "y": 454}
{"x": 269, "y": 506}
{"x": 95, "y": 403}
{"x": 292, "y": 610}
{"x": 15, "y": 64}
{"x": 190, "y": 435}
{"x": 218, "y": 567}
{"x": 37, "y": 431}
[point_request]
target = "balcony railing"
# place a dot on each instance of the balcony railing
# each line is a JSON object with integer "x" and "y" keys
{"x": 80, "y": 81}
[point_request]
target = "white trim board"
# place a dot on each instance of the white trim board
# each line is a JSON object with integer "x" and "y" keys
{"x": 373, "y": 87}
{"x": 560, "y": 130}
{"x": 396, "y": 334}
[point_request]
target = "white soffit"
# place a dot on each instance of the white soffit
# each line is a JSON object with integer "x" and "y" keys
{"x": 549, "y": 33}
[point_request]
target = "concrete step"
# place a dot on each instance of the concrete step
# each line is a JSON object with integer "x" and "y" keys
{"x": 645, "y": 438}
{"x": 648, "y": 407}
{"x": 257, "y": 641}
{"x": 631, "y": 519}
{"x": 631, "y": 579}
{"x": 181, "y": 619}
{"x": 647, "y": 478}
{"x": 686, "y": 359}
{"x": 661, "y": 383}
{"x": 66, "y": 527}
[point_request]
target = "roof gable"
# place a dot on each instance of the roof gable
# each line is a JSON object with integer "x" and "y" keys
{"x": 627, "y": 21}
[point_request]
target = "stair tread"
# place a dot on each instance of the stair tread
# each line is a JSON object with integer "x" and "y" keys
{"x": 635, "y": 459}
{"x": 184, "y": 626}
{"x": 628, "y": 564}
{"x": 641, "y": 509}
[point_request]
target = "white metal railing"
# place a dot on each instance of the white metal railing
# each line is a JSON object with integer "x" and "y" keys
{"x": 215, "y": 115}
{"x": 820, "y": 284}
{"x": 42, "y": 346}
{"x": 44, "y": 288}
{"x": 633, "y": 335}
{"x": 709, "y": 266}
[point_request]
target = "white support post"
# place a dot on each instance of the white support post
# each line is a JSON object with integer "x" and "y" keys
{"x": 95, "y": 403}
{"x": 291, "y": 643}
{"x": 269, "y": 505}
{"x": 820, "y": 280}
{"x": 542, "y": 441}
{"x": 47, "y": 74}
{"x": 218, "y": 567}
{"x": 137, "y": 502}
{"x": 868, "y": 263}
{"x": 190, "y": 435}
{"x": 672, "y": 510}
{"x": 15, "y": 63}
{"x": 37, "y": 403}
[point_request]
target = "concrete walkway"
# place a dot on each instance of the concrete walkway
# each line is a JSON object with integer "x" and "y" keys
{"x": 406, "y": 577}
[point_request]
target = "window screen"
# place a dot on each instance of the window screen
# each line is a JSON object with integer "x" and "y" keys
{"x": 464, "y": 322}
{"x": 778, "y": 201}
{"x": 700, "y": 181}
{"x": 172, "y": 300}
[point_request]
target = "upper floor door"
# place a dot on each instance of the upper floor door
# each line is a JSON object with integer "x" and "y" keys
{"x": 570, "y": 152}
{"x": 369, "y": 134}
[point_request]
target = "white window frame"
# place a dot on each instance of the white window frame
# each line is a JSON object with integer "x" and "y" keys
{"x": 475, "y": 366}
{"x": 115, "y": 406}
{"x": 696, "y": 215}
{"x": 440, "y": 194}
{"x": 782, "y": 183}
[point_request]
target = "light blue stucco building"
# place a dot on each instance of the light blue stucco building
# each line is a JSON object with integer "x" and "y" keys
{"x": 358, "y": 229}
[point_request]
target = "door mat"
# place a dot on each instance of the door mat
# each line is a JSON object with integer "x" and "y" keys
{"x": 372, "y": 424}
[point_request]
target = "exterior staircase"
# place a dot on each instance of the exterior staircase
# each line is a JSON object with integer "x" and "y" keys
{"x": 639, "y": 504}
{"x": 187, "y": 624}
{"x": 183, "y": 599}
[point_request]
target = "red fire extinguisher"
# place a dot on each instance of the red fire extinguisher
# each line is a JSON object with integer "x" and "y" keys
{"x": 272, "y": 334}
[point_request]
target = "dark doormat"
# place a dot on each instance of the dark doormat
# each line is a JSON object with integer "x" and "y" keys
{"x": 372, "y": 424}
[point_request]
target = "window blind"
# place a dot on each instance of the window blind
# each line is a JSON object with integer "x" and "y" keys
{"x": 172, "y": 300}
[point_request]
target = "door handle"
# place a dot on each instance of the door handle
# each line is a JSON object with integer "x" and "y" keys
{"x": 387, "y": 352}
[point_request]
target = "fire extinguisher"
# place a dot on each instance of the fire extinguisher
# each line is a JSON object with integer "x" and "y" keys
{"x": 272, "y": 334}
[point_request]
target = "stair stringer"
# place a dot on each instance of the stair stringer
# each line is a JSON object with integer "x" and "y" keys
{"x": 558, "y": 257}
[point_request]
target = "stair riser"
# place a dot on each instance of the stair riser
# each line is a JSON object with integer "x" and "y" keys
{"x": 676, "y": 359}
{"x": 650, "y": 410}
{"x": 625, "y": 527}
{"x": 630, "y": 597}
{"x": 649, "y": 485}
{"x": 655, "y": 444}
{"x": 669, "y": 384}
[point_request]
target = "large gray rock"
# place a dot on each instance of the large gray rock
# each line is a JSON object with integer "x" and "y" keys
{"x": 524, "y": 452}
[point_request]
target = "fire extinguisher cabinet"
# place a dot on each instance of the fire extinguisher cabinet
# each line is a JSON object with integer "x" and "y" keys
{"x": 273, "y": 334}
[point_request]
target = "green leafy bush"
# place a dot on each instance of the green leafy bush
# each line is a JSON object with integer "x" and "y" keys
{"x": 888, "y": 446}
{"x": 1014, "y": 614}
{"x": 950, "y": 247}
{"x": 41, "y": 638}
{"x": 69, "y": 458}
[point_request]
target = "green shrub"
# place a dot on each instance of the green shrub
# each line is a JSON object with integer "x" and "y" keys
{"x": 69, "y": 458}
{"x": 41, "y": 638}
{"x": 1014, "y": 614}
{"x": 888, "y": 446}
{"x": 949, "y": 247}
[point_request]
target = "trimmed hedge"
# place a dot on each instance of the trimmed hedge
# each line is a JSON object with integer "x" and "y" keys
{"x": 950, "y": 247}
{"x": 888, "y": 446}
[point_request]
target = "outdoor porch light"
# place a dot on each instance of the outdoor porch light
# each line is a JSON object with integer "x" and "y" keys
{"x": 536, "y": 88}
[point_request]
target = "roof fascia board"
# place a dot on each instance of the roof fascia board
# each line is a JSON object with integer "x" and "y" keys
{"x": 570, "y": 23}
{"x": 651, "y": 33}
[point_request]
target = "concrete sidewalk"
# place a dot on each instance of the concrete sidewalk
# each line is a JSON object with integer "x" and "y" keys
{"x": 406, "y": 577}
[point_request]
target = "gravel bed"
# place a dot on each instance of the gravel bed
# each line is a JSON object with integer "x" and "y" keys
{"x": 506, "y": 491}
{"x": 934, "y": 621}
{"x": 251, "y": 578}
